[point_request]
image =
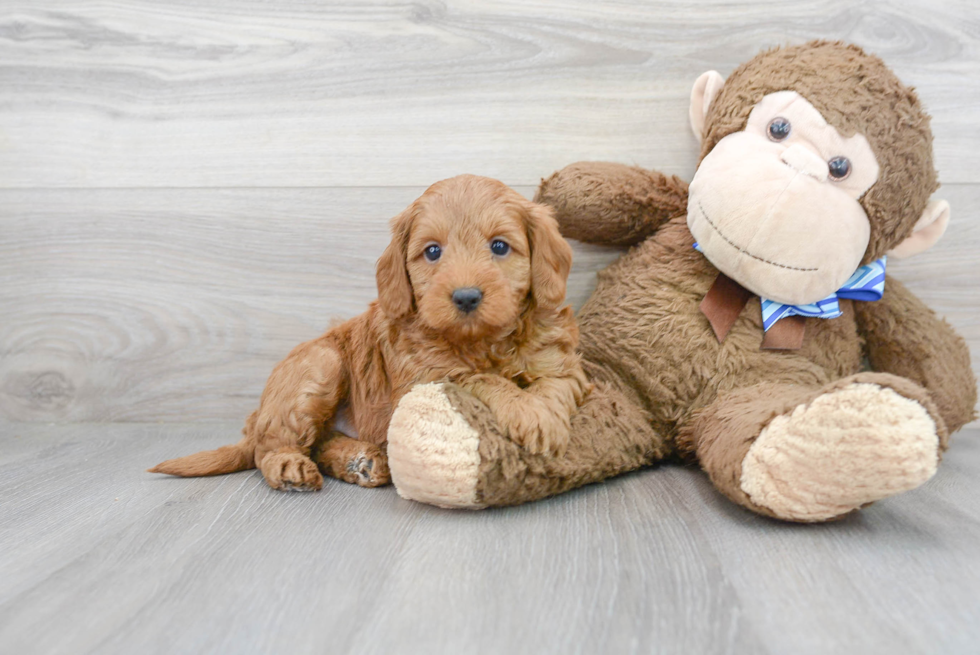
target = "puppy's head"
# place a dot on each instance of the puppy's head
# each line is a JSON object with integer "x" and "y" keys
{"x": 470, "y": 256}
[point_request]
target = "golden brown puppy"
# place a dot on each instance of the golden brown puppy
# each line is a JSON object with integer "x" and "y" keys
{"x": 472, "y": 290}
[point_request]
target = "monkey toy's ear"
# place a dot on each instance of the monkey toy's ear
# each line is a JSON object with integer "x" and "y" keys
{"x": 704, "y": 92}
{"x": 926, "y": 232}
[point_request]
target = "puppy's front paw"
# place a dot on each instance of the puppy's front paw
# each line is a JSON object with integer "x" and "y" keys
{"x": 553, "y": 437}
{"x": 535, "y": 427}
{"x": 291, "y": 471}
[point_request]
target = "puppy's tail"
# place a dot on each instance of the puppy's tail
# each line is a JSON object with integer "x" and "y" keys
{"x": 226, "y": 459}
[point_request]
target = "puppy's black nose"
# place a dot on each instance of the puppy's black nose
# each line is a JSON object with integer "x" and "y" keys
{"x": 467, "y": 299}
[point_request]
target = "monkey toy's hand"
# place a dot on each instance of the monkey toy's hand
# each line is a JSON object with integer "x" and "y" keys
{"x": 611, "y": 204}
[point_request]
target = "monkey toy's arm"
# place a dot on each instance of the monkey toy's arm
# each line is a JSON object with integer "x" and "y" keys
{"x": 612, "y": 204}
{"x": 904, "y": 337}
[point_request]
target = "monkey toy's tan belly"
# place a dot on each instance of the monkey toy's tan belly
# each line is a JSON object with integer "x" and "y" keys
{"x": 643, "y": 330}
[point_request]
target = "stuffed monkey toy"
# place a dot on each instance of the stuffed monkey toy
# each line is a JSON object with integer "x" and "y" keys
{"x": 751, "y": 328}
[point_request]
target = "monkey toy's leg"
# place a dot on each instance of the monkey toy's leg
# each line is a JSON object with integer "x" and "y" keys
{"x": 810, "y": 453}
{"x": 445, "y": 449}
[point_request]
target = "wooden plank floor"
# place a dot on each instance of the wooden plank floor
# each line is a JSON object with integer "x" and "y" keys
{"x": 97, "y": 556}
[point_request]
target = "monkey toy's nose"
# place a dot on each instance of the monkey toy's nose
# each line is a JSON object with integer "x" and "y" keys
{"x": 467, "y": 299}
{"x": 802, "y": 159}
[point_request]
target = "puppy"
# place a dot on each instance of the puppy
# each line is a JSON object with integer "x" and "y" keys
{"x": 470, "y": 290}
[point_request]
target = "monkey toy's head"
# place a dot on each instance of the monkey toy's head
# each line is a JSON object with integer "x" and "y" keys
{"x": 815, "y": 159}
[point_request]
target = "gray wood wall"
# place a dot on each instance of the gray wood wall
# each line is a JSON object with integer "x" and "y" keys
{"x": 188, "y": 189}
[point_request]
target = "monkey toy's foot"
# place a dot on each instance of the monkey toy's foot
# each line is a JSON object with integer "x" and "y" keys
{"x": 843, "y": 449}
{"x": 433, "y": 450}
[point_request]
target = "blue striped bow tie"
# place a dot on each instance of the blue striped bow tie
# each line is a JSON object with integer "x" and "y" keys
{"x": 867, "y": 284}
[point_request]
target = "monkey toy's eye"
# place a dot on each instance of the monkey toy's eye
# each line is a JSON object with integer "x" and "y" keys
{"x": 778, "y": 129}
{"x": 839, "y": 167}
{"x": 499, "y": 247}
{"x": 432, "y": 252}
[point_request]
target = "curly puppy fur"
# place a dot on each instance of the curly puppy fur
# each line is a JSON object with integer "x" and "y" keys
{"x": 515, "y": 351}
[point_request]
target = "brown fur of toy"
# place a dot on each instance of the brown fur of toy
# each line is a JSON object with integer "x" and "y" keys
{"x": 516, "y": 351}
{"x": 509, "y": 475}
{"x": 643, "y": 333}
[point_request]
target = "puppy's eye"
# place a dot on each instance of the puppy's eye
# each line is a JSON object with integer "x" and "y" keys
{"x": 499, "y": 247}
{"x": 779, "y": 129}
{"x": 432, "y": 252}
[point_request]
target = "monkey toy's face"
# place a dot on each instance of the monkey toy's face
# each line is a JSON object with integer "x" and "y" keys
{"x": 776, "y": 206}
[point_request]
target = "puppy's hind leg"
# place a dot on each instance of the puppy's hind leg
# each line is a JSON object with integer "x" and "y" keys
{"x": 300, "y": 397}
{"x": 350, "y": 460}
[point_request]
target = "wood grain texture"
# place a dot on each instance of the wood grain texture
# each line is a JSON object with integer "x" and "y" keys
{"x": 136, "y": 93}
{"x": 174, "y": 305}
{"x": 102, "y": 558}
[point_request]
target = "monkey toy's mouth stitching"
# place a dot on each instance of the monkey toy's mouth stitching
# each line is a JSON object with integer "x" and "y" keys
{"x": 746, "y": 252}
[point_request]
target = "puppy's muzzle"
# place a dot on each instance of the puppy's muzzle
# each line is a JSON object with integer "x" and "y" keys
{"x": 467, "y": 299}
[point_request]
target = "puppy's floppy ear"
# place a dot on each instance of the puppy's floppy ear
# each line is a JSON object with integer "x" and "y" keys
{"x": 551, "y": 256}
{"x": 394, "y": 286}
